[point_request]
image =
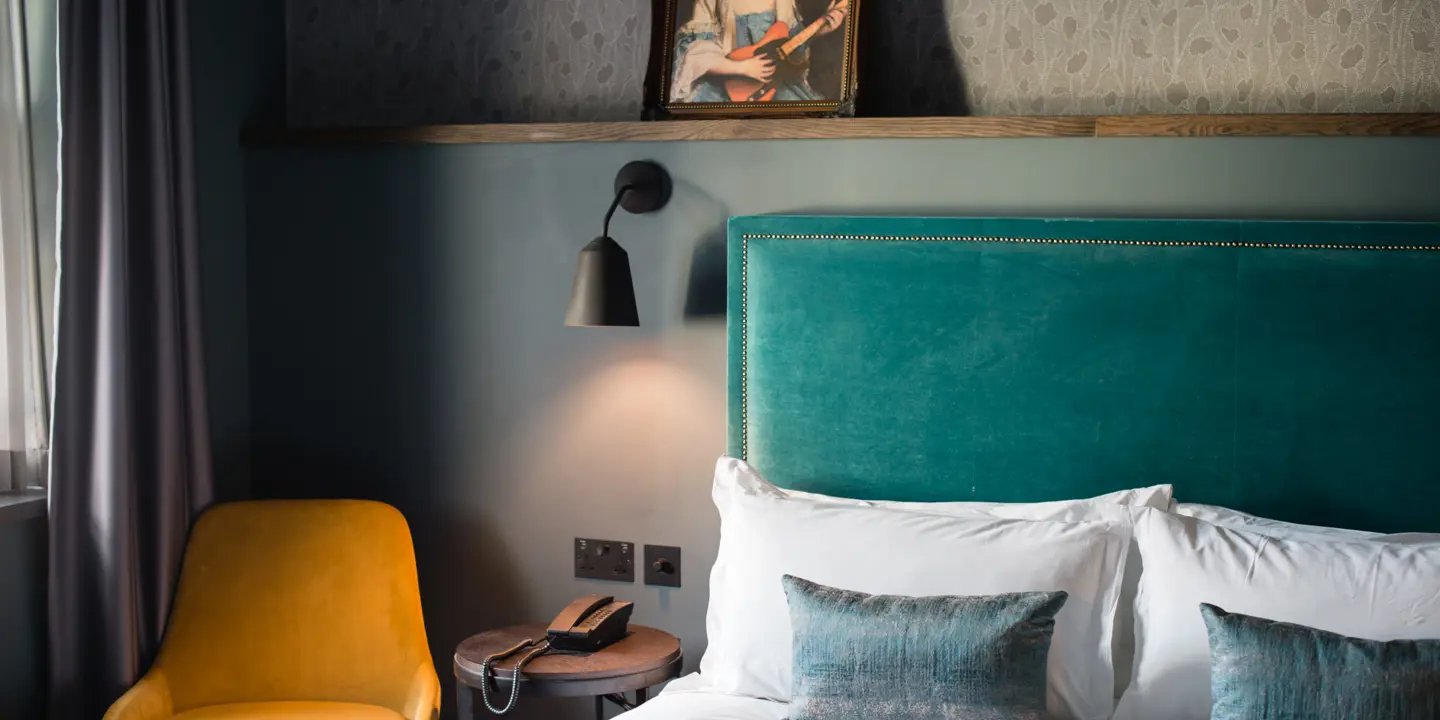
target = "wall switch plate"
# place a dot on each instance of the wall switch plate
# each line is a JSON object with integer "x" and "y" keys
{"x": 662, "y": 565}
{"x": 605, "y": 560}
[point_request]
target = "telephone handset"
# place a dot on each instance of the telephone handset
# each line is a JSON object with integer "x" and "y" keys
{"x": 589, "y": 624}
{"x": 584, "y": 626}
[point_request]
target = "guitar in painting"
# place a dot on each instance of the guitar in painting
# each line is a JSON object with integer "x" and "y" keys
{"x": 777, "y": 45}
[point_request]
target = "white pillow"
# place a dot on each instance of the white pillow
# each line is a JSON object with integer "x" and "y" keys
{"x": 1103, "y": 507}
{"x": 765, "y": 535}
{"x": 1159, "y": 496}
{"x": 1359, "y": 588}
{"x": 1217, "y": 515}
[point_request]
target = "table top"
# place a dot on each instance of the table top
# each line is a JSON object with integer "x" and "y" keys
{"x": 645, "y": 651}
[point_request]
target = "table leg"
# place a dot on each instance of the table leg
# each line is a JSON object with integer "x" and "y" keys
{"x": 641, "y": 696}
{"x": 465, "y": 701}
{"x": 599, "y": 707}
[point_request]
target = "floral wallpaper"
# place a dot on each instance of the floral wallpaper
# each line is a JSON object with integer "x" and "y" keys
{"x": 408, "y": 62}
{"x": 396, "y": 62}
{"x": 1198, "y": 56}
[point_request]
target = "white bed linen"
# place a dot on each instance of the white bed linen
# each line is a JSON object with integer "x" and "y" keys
{"x": 1225, "y": 517}
{"x": 1383, "y": 589}
{"x": 766, "y": 534}
{"x": 1160, "y": 497}
{"x": 1103, "y": 507}
{"x": 689, "y": 698}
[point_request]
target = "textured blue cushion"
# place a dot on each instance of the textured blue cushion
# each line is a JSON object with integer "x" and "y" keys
{"x": 884, "y": 657}
{"x": 1267, "y": 670}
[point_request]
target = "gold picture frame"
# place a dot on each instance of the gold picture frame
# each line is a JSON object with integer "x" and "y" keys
{"x": 812, "y": 61}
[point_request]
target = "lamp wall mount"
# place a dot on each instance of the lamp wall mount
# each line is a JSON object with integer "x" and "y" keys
{"x": 642, "y": 187}
{"x": 603, "y": 293}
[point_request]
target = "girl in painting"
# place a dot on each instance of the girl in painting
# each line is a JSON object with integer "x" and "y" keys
{"x": 717, "y": 27}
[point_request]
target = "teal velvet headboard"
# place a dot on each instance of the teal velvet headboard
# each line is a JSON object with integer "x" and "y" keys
{"x": 1285, "y": 369}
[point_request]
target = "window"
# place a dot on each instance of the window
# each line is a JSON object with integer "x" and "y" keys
{"x": 24, "y": 391}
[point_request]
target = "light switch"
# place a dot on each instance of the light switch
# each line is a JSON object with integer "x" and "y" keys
{"x": 662, "y": 565}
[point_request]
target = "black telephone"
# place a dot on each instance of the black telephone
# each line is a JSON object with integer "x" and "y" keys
{"x": 589, "y": 624}
{"x": 584, "y": 626}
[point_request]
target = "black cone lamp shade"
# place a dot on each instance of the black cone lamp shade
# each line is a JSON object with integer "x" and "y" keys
{"x": 603, "y": 294}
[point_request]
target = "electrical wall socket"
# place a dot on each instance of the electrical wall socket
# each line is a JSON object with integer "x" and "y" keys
{"x": 605, "y": 560}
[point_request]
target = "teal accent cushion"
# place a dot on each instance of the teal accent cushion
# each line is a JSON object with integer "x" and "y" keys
{"x": 884, "y": 657}
{"x": 1267, "y": 670}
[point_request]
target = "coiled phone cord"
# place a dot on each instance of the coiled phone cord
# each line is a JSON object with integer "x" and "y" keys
{"x": 541, "y": 647}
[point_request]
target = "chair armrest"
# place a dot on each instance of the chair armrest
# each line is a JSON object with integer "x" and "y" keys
{"x": 148, "y": 700}
{"x": 423, "y": 700}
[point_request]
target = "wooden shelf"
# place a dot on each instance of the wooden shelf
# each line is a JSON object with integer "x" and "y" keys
{"x": 868, "y": 128}
{"x": 1268, "y": 125}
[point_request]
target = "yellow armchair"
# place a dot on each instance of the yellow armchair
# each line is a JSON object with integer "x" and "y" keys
{"x": 293, "y": 610}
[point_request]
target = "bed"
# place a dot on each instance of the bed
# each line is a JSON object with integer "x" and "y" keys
{"x": 1284, "y": 369}
{"x": 689, "y": 698}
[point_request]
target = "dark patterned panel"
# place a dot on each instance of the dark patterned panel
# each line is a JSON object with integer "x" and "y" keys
{"x": 399, "y": 62}
{"x": 402, "y": 62}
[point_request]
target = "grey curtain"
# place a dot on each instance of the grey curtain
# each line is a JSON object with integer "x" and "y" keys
{"x": 130, "y": 445}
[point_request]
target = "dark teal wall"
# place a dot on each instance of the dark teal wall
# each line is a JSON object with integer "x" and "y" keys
{"x": 406, "y": 338}
{"x": 22, "y": 618}
{"x": 238, "y": 59}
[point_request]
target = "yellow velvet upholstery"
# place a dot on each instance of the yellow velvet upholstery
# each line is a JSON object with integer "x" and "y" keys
{"x": 289, "y": 711}
{"x": 293, "y": 610}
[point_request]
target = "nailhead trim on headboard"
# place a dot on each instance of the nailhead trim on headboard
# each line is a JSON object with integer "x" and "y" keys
{"x": 1064, "y": 241}
{"x": 744, "y": 347}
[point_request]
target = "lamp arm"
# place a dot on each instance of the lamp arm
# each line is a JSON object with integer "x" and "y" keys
{"x": 618, "y": 197}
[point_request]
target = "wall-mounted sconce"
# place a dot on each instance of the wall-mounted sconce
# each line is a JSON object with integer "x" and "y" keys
{"x": 604, "y": 293}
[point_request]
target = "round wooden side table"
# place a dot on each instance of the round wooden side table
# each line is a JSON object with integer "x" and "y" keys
{"x": 644, "y": 659}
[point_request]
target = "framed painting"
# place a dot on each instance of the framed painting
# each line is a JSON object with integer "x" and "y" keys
{"x": 751, "y": 58}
